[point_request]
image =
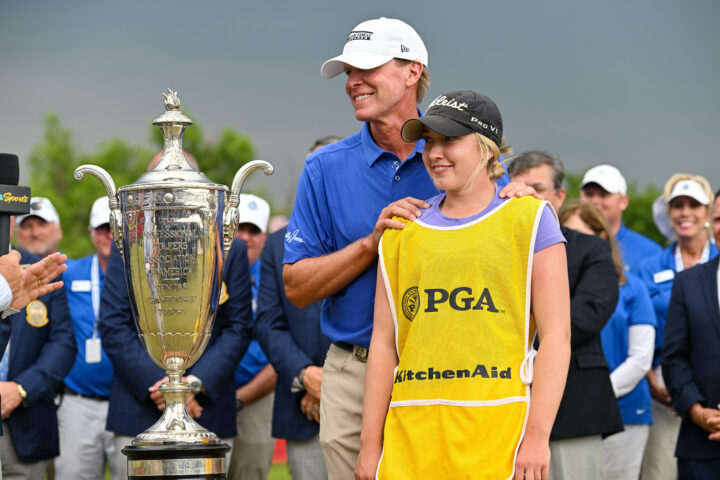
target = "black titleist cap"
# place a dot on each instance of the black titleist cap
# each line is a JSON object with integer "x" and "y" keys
{"x": 455, "y": 114}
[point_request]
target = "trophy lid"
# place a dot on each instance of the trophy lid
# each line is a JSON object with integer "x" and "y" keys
{"x": 173, "y": 166}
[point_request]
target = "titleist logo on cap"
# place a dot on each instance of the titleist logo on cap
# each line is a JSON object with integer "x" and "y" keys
{"x": 442, "y": 101}
{"x": 359, "y": 35}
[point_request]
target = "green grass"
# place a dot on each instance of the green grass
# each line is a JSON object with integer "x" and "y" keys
{"x": 279, "y": 471}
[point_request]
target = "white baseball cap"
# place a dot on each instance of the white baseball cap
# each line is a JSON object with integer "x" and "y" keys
{"x": 608, "y": 177}
{"x": 40, "y": 207}
{"x": 255, "y": 210}
{"x": 689, "y": 188}
{"x": 376, "y": 42}
{"x": 100, "y": 212}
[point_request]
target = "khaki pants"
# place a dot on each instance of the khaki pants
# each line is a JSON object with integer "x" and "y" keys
{"x": 305, "y": 459}
{"x": 624, "y": 453}
{"x": 659, "y": 460}
{"x": 576, "y": 458}
{"x": 12, "y": 467}
{"x": 84, "y": 442}
{"x": 252, "y": 449}
{"x": 341, "y": 404}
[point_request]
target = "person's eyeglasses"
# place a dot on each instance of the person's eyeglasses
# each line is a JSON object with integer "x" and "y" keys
{"x": 541, "y": 187}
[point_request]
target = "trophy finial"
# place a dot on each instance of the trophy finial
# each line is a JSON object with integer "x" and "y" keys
{"x": 172, "y": 115}
{"x": 172, "y": 102}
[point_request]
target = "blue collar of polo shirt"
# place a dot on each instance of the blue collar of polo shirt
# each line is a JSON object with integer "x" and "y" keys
{"x": 371, "y": 150}
{"x": 668, "y": 256}
{"x": 667, "y": 259}
{"x": 621, "y": 231}
{"x": 622, "y": 227}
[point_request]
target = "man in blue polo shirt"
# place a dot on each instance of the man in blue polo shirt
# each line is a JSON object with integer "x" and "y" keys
{"x": 605, "y": 187}
{"x": 347, "y": 195}
{"x": 85, "y": 445}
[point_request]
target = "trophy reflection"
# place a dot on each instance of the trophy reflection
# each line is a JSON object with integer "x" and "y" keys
{"x": 173, "y": 228}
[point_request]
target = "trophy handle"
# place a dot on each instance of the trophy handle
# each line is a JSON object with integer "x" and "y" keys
{"x": 230, "y": 216}
{"x": 115, "y": 219}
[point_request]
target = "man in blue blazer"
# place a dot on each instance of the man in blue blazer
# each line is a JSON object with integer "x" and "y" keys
{"x": 132, "y": 409}
{"x": 40, "y": 352}
{"x": 691, "y": 364}
{"x": 296, "y": 348}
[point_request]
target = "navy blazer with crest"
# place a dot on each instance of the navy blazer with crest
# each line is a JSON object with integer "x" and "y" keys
{"x": 691, "y": 354}
{"x": 42, "y": 352}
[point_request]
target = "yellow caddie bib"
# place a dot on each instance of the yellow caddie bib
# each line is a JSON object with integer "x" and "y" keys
{"x": 460, "y": 299}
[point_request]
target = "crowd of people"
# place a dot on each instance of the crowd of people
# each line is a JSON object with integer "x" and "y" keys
{"x": 433, "y": 309}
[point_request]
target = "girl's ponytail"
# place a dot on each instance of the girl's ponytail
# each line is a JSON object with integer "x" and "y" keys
{"x": 494, "y": 167}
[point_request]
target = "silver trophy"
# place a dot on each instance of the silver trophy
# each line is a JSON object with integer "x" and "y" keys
{"x": 174, "y": 227}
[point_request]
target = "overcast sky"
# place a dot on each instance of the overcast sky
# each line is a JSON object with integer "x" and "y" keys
{"x": 634, "y": 84}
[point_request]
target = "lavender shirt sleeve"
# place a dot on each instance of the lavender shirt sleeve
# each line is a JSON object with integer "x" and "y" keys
{"x": 548, "y": 232}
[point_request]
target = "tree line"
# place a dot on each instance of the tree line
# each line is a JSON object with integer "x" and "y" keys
{"x": 53, "y": 160}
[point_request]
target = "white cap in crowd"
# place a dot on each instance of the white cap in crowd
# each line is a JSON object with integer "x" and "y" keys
{"x": 608, "y": 177}
{"x": 255, "y": 210}
{"x": 376, "y": 42}
{"x": 40, "y": 207}
{"x": 689, "y": 188}
{"x": 100, "y": 212}
{"x": 683, "y": 188}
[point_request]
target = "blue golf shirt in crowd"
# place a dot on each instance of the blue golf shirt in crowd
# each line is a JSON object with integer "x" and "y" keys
{"x": 254, "y": 359}
{"x": 341, "y": 192}
{"x": 633, "y": 308}
{"x": 82, "y": 289}
{"x": 635, "y": 247}
{"x": 658, "y": 273}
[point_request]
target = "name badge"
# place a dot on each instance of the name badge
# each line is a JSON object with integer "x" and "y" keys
{"x": 81, "y": 286}
{"x": 92, "y": 350}
{"x": 664, "y": 276}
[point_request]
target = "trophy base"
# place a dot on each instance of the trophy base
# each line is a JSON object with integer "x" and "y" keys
{"x": 175, "y": 426}
{"x": 186, "y": 462}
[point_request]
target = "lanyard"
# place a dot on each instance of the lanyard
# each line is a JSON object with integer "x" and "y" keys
{"x": 679, "y": 267}
{"x": 95, "y": 291}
